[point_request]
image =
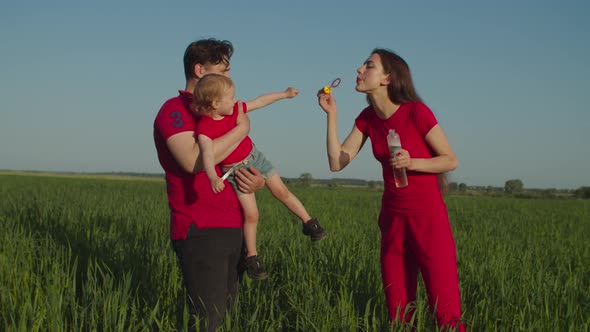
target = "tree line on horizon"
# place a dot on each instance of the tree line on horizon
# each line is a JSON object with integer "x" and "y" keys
{"x": 512, "y": 186}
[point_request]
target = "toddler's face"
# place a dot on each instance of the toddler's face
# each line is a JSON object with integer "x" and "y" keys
{"x": 226, "y": 104}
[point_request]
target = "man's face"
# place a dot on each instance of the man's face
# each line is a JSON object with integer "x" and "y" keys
{"x": 221, "y": 68}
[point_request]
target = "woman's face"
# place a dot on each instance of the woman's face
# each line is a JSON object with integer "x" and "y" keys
{"x": 371, "y": 76}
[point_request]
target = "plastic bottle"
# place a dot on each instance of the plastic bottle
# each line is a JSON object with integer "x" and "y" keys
{"x": 399, "y": 174}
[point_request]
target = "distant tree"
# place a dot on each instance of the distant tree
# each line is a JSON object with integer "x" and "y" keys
{"x": 462, "y": 187}
{"x": 305, "y": 179}
{"x": 513, "y": 186}
{"x": 453, "y": 186}
{"x": 582, "y": 192}
{"x": 372, "y": 184}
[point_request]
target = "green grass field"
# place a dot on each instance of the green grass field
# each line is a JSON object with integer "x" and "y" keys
{"x": 93, "y": 254}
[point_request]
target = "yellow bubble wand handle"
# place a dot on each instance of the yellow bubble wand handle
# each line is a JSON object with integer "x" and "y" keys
{"x": 335, "y": 84}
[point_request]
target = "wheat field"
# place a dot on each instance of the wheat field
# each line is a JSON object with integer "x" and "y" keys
{"x": 93, "y": 254}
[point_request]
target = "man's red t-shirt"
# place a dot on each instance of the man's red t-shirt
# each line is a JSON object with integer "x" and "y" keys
{"x": 212, "y": 128}
{"x": 412, "y": 121}
{"x": 190, "y": 196}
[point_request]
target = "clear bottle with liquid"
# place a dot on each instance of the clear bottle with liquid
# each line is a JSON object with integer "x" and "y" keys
{"x": 399, "y": 174}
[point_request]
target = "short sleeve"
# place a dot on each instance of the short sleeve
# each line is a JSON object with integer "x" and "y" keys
{"x": 236, "y": 107}
{"x": 362, "y": 121}
{"x": 423, "y": 117}
{"x": 174, "y": 118}
{"x": 204, "y": 126}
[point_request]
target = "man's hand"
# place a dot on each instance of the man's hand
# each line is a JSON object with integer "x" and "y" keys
{"x": 249, "y": 180}
{"x": 243, "y": 120}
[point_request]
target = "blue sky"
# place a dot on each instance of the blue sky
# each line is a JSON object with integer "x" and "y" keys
{"x": 508, "y": 81}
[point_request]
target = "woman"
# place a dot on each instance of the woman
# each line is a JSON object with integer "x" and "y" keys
{"x": 415, "y": 231}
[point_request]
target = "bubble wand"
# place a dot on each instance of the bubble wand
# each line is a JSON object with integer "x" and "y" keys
{"x": 335, "y": 84}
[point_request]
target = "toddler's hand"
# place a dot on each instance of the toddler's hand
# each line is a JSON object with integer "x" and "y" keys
{"x": 291, "y": 92}
{"x": 217, "y": 185}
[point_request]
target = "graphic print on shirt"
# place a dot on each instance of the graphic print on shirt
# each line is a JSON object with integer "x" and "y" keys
{"x": 177, "y": 119}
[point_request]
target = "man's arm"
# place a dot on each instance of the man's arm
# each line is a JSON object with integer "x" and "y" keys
{"x": 269, "y": 98}
{"x": 186, "y": 152}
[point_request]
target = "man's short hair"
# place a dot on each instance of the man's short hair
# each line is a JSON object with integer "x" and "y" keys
{"x": 206, "y": 52}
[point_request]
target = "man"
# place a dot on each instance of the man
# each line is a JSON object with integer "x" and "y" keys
{"x": 205, "y": 228}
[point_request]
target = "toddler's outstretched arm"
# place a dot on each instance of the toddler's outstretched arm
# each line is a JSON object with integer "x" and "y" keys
{"x": 269, "y": 98}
